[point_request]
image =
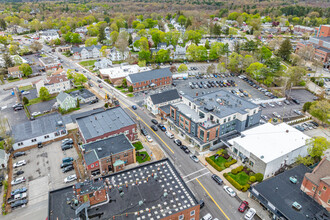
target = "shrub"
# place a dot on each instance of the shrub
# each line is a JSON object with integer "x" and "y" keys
{"x": 259, "y": 177}
{"x": 240, "y": 168}
{"x": 245, "y": 187}
{"x": 130, "y": 89}
{"x": 228, "y": 164}
{"x": 234, "y": 171}
{"x": 233, "y": 182}
{"x": 220, "y": 152}
{"x": 226, "y": 156}
{"x": 106, "y": 105}
{"x": 213, "y": 164}
{"x": 253, "y": 179}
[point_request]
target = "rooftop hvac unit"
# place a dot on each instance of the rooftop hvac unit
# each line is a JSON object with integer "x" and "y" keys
{"x": 140, "y": 202}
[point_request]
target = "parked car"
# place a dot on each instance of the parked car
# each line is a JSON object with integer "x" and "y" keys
{"x": 244, "y": 205}
{"x": 230, "y": 191}
{"x": 25, "y": 93}
{"x": 154, "y": 127}
{"x": 19, "y": 203}
{"x": 208, "y": 216}
{"x": 162, "y": 127}
{"x": 177, "y": 142}
{"x": 134, "y": 107}
{"x": 154, "y": 121}
{"x": 19, "y": 163}
{"x": 276, "y": 115}
{"x": 70, "y": 178}
{"x": 18, "y": 108}
{"x": 67, "y": 169}
{"x": 264, "y": 117}
{"x": 18, "y": 181}
{"x": 286, "y": 102}
{"x": 18, "y": 191}
{"x": 185, "y": 149}
{"x": 66, "y": 147}
{"x": 296, "y": 101}
{"x": 18, "y": 154}
{"x": 66, "y": 164}
{"x": 94, "y": 101}
{"x": 17, "y": 105}
{"x": 149, "y": 139}
{"x": 194, "y": 158}
{"x": 20, "y": 172}
{"x": 297, "y": 112}
{"x": 271, "y": 105}
{"x": 217, "y": 179}
{"x": 250, "y": 213}
{"x": 67, "y": 159}
{"x": 263, "y": 105}
{"x": 16, "y": 197}
{"x": 34, "y": 114}
{"x": 67, "y": 141}
{"x": 169, "y": 134}
{"x": 279, "y": 103}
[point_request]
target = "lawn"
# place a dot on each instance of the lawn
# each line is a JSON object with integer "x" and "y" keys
{"x": 74, "y": 89}
{"x": 25, "y": 88}
{"x": 242, "y": 178}
{"x": 138, "y": 146}
{"x": 43, "y": 55}
{"x": 130, "y": 95}
{"x": 220, "y": 161}
{"x": 13, "y": 80}
{"x": 2, "y": 145}
{"x": 38, "y": 100}
{"x": 87, "y": 63}
{"x": 140, "y": 158}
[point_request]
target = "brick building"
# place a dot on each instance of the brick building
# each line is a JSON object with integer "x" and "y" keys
{"x": 110, "y": 122}
{"x": 151, "y": 191}
{"x": 149, "y": 79}
{"x": 111, "y": 154}
{"x": 206, "y": 119}
{"x": 317, "y": 183}
{"x": 299, "y": 29}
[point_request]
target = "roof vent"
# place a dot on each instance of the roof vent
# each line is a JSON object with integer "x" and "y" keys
{"x": 165, "y": 194}
{"x": 121, "y": 194}
{"x": 99, "y": 149}
{"x": 287, "y": 131}
{"x": 262, "y": 156}
{"x": 140, "y": 202}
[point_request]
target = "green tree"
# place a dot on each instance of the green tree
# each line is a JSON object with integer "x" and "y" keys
{"x": 124, "y": 83}
{"x": 104, "y": 51}
{"x": 296, "y": 75}
{"x": 317, "y": 146}
{"x": 142, "y": 63}
{"x": 182, "y": 20}
{"x": 196, "y": 53}
{"x": 307, "y": 161}
{"x": 91, "y": 41}
{"x": 320, "y": 110}
{"x": 101, "y": 35}
{"x": 254, "y": 70}
{"x": 235, "y": 61}
{"x": 26, "y": 69}
{"x": 182, "y": 68}
{"x": 207, "y": 44}
{"x": 13, "y": 49}
{"x": 79, "y": 78}
{"x": 3, "y": 25}
{"x": 114, "y": 36}
{"x": 130, "y": 88}
{"x": 144, "y": 55}
{"x": 285, "y": 49}
{"x": 265, "y": 53}
{"x": 217, "y": 49}
{"x": 44, "y": 94}
{"x": 25, "y": 100}
{"x": 307, "y": 106}
{"x": 162, "y": 56}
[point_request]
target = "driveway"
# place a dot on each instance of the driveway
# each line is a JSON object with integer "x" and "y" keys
{"x": 42, "y": 106}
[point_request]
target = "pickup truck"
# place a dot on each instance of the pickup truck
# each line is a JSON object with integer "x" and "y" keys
{"x": 17, "y": 197}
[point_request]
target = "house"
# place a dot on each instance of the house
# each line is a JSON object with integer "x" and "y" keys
{"x": 82, "y": 53}
{"x": 162, "y": 46}
{"x": 266, "y": 153}
{"x": 149, "y": 79}
{"x": 316, "y": 184}
{"x": 283, "y": 30}
{"x": 161, "y": 99}
{"x": 41, "y": 129}
{"x": 103, "y": 63}
{"x": 144, "y": 190}
{"x": 84, "y": 95}
{"x": 110, "y": 154}
{"x": 49, "y": 63}
{"x": 3, "y": 159}
{"x": 110, "y": 122}
{"x": 117, "y": 74}
{"x": 282, "y": 198}
{"x": 299, "y": 29}
{"x": 49, "y": 35}
{"x": 54, "y": 84}
{"x": 180, "y": 52}
{"x": 65, "y": 101}
{"x": 64, "y": 48}
{"x": 14, "y": 72}
{"x": 116, "y": 55}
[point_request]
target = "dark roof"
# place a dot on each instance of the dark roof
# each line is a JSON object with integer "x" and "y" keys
{"x": 40, "y": 126}
{"x": 164, "y": 195}
{"x": 100, "y": 123}
{"x": 87, "y": 113}
{"x": 90, "y": 157}
{"x": 166, "y": 108}
{"x": 149, "y": 75}
{"x": 166, "y": 96}
{"x": 79, "y": 49}
{"x": 327, "y": 39}
{"x": 105, "y": 147}
{"x": 280, "y": 192}
{"x": 83, "y": 93}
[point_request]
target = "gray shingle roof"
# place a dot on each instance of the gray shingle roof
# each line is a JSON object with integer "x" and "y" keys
{"x": 90, "y": 157}
{"x": 99, "y": 123}
{"x": 79, "y": 49}
{"x": 149, "y": 75}
{"x": 83, "y": 93}
{"x": 61, "y": 96}
{"x": 105, "y": 147}
{"x": 166, "y": 96}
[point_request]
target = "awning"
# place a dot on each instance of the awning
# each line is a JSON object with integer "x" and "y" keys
{"x": 118, "y": 163}
{"x": 152, "y": 84}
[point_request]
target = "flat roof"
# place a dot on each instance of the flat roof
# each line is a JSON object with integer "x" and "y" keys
{"x": 159, "y": 192}
{"x": 281, "y": 193}
{"x": 271, "y": 141}
{"x": 99, "y": 123}
{"x": 122, "y": 71}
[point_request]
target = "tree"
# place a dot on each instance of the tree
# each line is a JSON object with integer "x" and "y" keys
{"x": 307, "y": 106}
{"x": 122, "y": 44}
{"x": 104, "y": 51}
{"x": 182, "y": 19}
{"x": 124, "y": 83}
{"x": 307, "y": 161}
{"x": 79, "y": 78}
{"x": 25, "y": 100}
{"x": 162, "y": 56}
{"x": 91, "y": 41}
{"x": 296, "y": 75}
{"x": 196, "y": 53}
{"x": 295, "y": 59}
{"x": 3, "y": 25}
{"x": 26, "y": 69}
{"x": 130, "y": 88}
{"x": 182, "y": 68}
{"x": 285, "y": 49}
{"x": 130, "y": 39}
{"x": 114, "y": 36}
{"x": 7, "y": 59}
{"x": 144, "y": 55}
{"x": 320, "y": 110}
{"x": 254, "y": 70}
{"x": 317, "y": 146}
{"x": 44, "y": 94}
{"x": 13, "y": 49}
{"x": 265, "y": 53}
{"x": 207, "y": 44}
{"x": 142, "y": 63}
{"x": 36, "y": 46}
{"x": 235, "y": 62}
{"x": 217, "y": 49}
{"x": 101, "y": 35}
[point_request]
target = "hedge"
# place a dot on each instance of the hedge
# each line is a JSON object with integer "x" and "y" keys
{"x": 233, "y": 182}
{"x": 228, "y": 164}
{"x": 237, "y": 170}
{"x": 213, "y": 164}
{"x": 259, "y": 177}
{"x": 245, "y": 187}
{"x": 253, "y": 179}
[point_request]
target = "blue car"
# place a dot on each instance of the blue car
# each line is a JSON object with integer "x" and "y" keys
{"x": 134, "y": 107}
{"x": 18, "y": 191}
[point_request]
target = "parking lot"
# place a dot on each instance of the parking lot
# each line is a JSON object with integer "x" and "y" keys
{"x": 42, "y": 171}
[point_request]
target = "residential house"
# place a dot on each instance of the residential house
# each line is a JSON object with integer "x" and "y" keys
{"x": 316, "y": 184}
{"x": 116, "y": 55}
{"x": 103, "y": 63}
{"x": 82, "y": 31}
{"x": 50, "y": 63}
{"x": 41, "y": 129}
{"x": 162, "y": 46}
{"x": 14, "y": 72}
{"x": 54, "y": 84}
{"x": 3, "y": 159}
{"x": 155, "y": 101}
{"x": 206, "y": 120}
{"x": 65, "y": 101}
{"x": 150, "y": 79}
{"x": 180, "y": 52}
{"x": 82, "y": 53}
{"x": 64, "y": 48}
{"x": 110, "y": 154}
{"x": 266, "y": 153}
{"x": 84, "y": 95}
{"x": 110, "y": 122}
{"x": 283, "y": 30}
{"x": 49, "y": 35}
{"x": 299, "y": 29}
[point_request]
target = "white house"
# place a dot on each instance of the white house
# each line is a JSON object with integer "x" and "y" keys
{"x": 49, "y": 35}
{"x": 54, "y": 84}
{"x": 65, "y": 101}
{"x": 103, "y": 63}
{"x": 180, "y": 52}
{"x": 116, "y": 55}
{"x": 267, "y": 148}
{"x": 161, "y": 99}
{"x": 81, "y": 53}
{"x": 3, "y": 159}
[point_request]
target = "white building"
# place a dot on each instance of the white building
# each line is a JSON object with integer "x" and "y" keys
{"x": 103, "y": 63}
{"x": 180, "y": 52}
{"x": 267, "y": 148}
{"x": 116, "y": 55}
{"x": 3, "y": 159}
{"x": 54, "y": 84}
{"x": 49, "y": 35}
{"x": 82, "y": 53}
{"x": 161, "y": 99}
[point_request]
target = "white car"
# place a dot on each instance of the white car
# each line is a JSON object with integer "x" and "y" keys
{"x": 230, "y": 191}
{"x": 249, "y": 215}
{"x": 18, "y": 181}
{"x": 169, "y": 134}
{"x": 25, "y": 93}
{"x": 70, "y": 178}
{"x": 35, "y": 114}
{"x": 208, "y": 216}
{"x": 276, "y": 115}
{"x": 149, "y": 139}
{"x": 271, "y": 104}
{"x": 19, "y": 163}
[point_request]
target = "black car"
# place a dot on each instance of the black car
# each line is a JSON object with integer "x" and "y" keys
{"x": 185, "y": 149}
{"x": 67, "y": 169}
{"x": 18, "y": 154}
{"x": 20, "y": 172}
{"x": 201, "y": 203}
{"x": 144, "y": 131}
{"x": 18, "y": 108}
{"x": 154, "y": 121}
{"x": 93, "y": 101}
{"x": 18, "y": 203}
{"x": 154, "y": 127}
{"x": 296, "y": 101}
{"x": 315, "y": 123}
{"x": 177, "y": 142}
{"x": 217, "y": 179}
{"x": 66, "y": 164}
{"x": 67, "y": 146}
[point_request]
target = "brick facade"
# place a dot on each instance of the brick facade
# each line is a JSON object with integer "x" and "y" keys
{"x": 187, "y": 214}
{"x": 159, "y": 82}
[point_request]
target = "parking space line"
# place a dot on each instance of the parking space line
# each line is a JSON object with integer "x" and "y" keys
{"x": 194, "y": 172}
{"x": 197, "y": 177}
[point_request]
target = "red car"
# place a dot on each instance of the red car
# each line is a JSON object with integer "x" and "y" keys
{"x": 243, "y": 206}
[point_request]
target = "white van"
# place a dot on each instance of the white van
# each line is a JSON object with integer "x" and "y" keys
{"x": 169, "y": 134}
{"x": 208, "y": 216}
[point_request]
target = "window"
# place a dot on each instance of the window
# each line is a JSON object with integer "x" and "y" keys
{"x": 125, "y": 154}
{"x": 189, "y": 104}
{"x": 207, "y": 135}
{"x": 46, "y": 136}
{"x": 224, "y": 121}
{"x": 92, "y": 166}
{"x": 216, "y": 132}
{"x": 234, "y": 117}
{"x": 254, "y": 111}
{"x": 313, "y": 188}
{"x": 192, "y": 213}
{"x": 324, "y": 188}
{"x": 33, "y": 140}
{"x": 201, "y": 134}
{"x": 126, "y": 132}
{"x": 319, "y": 193}
{"x": 187, "y": 122}
{"x": 96, "y": 164}
{"x": 181, "y": 118}
{"x": 251, "y": 163}
{"x": 181, "y": 217}
{"x": 229, "y": 119}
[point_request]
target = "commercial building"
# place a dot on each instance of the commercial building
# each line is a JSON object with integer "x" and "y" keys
{"x": 267, "y": 148}
{"x": 54, "y": 84}
{"x": 107, "y": 123}
{"x": 207, "y": 119}
{"x": 317, "y": 183}
{"x": 299, "y": 29}
{"x": 39, "y": 130}
{"x": 282, "y": 198}
{"x": 149, "y": 79}
{"x": 111, "y": 154}
{"x": 155, "y": 101}
{"x": 151, "y": 191}
{"x": 50, "y": 63}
